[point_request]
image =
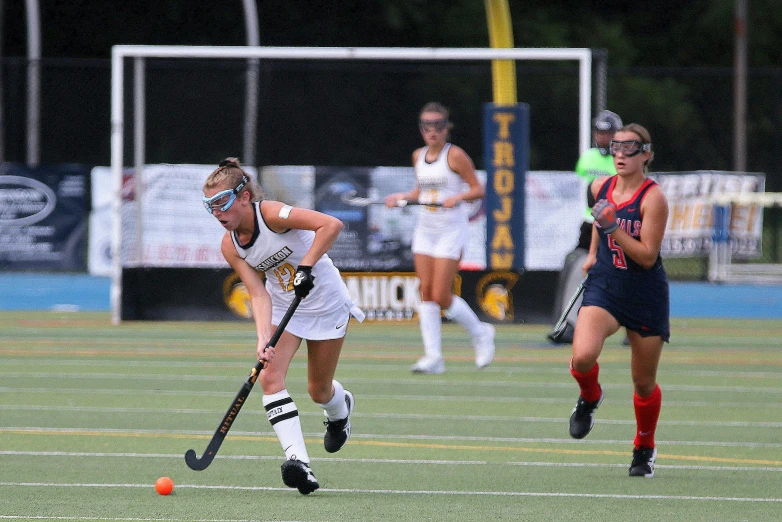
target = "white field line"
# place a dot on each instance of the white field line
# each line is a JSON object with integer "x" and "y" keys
{"x": 413, "y": 492}
{"x": 347, "y": 364}
{"x": 379, "y": 436}
{"x": 136, "y": 519}
{"x": 414, "y": 397}
{"x": 177, "y": 456}
{"x": 565, "y": 384}
{"x": 400, "y": 416}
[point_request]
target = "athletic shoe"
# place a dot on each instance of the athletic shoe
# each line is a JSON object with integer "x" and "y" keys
{"x": 583, "y": 417}
{"x": 484, "y": 346}
{"x": 338, "y": 431}
{"x": 427, "y": 364}
{"x": 297, "y": 474}
{"x": 643, "y": 462}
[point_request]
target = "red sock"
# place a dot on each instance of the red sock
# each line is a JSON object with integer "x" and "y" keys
{"x": 590, "y": 388}
{"x": 647, "y": 412}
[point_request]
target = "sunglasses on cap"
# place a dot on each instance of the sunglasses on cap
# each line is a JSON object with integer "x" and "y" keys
{"x": 435, "y": 125}
{"x": 225, "y": 198}
{"x": 629, "y": 148}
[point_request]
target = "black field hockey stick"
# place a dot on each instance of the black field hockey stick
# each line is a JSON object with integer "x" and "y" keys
{"x": 351, "y": 199}
{"x": 193, "y": 462}
{"x": 561, "y": 326}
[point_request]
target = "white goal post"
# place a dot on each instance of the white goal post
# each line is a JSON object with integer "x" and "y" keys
{"x": 722, "y": 266}
{"x": 139, "y": 52}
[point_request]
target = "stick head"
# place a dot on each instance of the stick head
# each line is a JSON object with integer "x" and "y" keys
{"x": 196, "y": 464}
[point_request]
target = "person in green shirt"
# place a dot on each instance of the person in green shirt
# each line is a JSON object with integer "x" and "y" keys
{"x": 595, "y": 163}
{"x": 592, "y": 164}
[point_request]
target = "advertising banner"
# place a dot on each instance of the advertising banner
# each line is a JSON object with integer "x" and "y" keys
{"x": 43, "y": 217}
{"x": 506, "y": 151}
{"x": 191, "y": 294}
{"x": 172, "y": 229}
{"x": 691, "y": 212}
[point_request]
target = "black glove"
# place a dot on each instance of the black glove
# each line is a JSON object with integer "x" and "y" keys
{"x": 303, "y": 281}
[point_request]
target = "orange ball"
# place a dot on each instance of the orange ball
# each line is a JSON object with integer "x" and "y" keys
{"x": 164, "y": 485}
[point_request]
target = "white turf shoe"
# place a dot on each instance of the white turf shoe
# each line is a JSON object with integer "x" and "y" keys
{"x": 484, "y": 346}
{"x": 429, "y": 364}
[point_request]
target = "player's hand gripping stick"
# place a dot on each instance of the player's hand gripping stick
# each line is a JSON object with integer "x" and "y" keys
{"x": 303, "y": 281}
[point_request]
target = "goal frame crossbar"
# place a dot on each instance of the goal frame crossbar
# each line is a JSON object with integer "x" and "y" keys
{"x": 120, "y": 52}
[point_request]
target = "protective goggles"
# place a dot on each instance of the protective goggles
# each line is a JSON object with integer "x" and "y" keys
{"x": 433, "y": 125}
{"x": 224, "y": 199}
{"x": 629, "y": 148}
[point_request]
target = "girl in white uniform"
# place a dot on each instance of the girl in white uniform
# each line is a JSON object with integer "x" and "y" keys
{"x": 289, "y": 246}
{"x": 445, "y": 175}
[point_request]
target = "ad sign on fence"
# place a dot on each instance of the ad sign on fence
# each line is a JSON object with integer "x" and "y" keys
{"x": 43, "y": 217}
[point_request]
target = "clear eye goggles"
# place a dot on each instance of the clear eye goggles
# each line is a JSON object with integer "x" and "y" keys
{"x": 224, "y": 199}
{"x": 629, "y": 148}
{"x": 435, "y": 125}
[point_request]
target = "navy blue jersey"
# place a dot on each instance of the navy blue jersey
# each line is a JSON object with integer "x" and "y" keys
{"x": 628, "y": 214}
{"x": 636, "y": 297}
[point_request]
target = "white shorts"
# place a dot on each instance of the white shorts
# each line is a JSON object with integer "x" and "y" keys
{"x": 321, "y": 327}
{"x": 448, "y": 244}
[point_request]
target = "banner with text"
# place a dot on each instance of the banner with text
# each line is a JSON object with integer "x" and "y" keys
{"x": 43, "y": 217}
{"x": 506, "y": 153}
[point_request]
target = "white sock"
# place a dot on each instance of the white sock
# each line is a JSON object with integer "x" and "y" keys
{"x": 431, "y": 325}
{"x": 461, "y": 312}
{"x": 284, "y": 418}
{"x": 336, "y": 408}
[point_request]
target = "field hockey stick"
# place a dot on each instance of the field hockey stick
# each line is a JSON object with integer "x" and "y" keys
{"x": 193, "y": 462}
{"x": 351, "y": 199}
{"x": 559, "y": 329}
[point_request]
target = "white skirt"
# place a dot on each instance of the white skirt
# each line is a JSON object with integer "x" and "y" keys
{"x": 448, "y": 244}
{"x": 321, "y": 327}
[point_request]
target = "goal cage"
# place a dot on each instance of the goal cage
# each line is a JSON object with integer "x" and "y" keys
{"x": 157, "y": 137}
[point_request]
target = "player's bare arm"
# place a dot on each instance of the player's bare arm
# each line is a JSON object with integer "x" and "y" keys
{"x": 260, "y": 301}
{"x": 646, "y": 248}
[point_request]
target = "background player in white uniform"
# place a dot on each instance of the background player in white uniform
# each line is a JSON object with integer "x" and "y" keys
{"x": 289, "y": 246}
{"x": 445, "y": 175}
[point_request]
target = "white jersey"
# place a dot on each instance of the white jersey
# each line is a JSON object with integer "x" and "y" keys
{"x": 437, "y": 183}
{"x": 278, "y": 254}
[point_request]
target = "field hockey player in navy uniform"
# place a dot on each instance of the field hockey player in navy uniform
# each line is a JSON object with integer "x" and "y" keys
{"x": 289, "y": 246}
{"x": 626, "y": 286}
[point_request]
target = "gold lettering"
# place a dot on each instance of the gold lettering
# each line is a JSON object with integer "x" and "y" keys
{"x": 504, "y": 182}
{"x": 506, "y": 212}
{"x": 703, "y": 215}
{"x": 501, "y": 261}
{"x": 504, "y": 119}
{"x": 679, "y": 214}
{"x": 503, "y": 154}
{"x": 502, "y": 239}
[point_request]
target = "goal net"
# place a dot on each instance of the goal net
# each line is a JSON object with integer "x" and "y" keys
{"x": 177, "y": 111}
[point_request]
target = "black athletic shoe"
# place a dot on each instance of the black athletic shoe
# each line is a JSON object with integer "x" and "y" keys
{"x": 297, "y": 474}
{"x": 338, "y": 431}
{"x": 583, "y": 417}
{"x": 643, "y": 462}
